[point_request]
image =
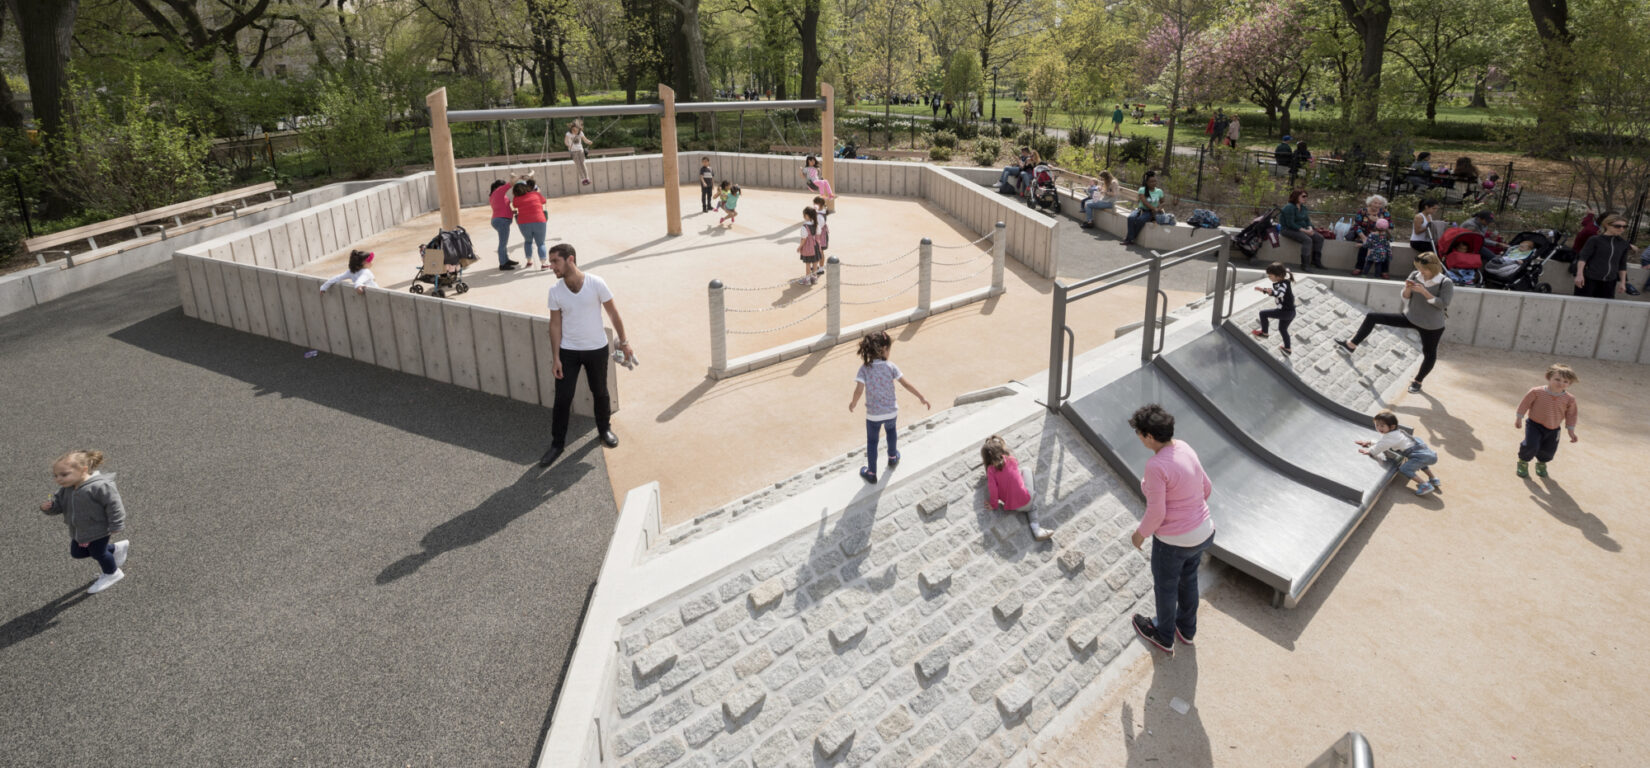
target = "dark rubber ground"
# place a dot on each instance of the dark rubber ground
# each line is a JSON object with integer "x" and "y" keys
{"x": 331, "y": 563}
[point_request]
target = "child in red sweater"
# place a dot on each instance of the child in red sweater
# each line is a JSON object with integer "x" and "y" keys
{"x": 1008, "y": 486}
{"x": 1546, "y": 407}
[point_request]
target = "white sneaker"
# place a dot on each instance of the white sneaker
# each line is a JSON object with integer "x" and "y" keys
{"x": 105, "y": 581}
{"x": 120, "y": 552}
{"x": 1040, "y": 533}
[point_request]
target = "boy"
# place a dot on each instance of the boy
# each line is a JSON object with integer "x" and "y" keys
{"x": 1414, "y": 452}
{"x": 706, "y": 184}
{"x": 1546, "y": 407}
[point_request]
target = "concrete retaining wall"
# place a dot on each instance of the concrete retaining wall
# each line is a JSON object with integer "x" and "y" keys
{"x": 1601, "y": 329}
{"x": 1031, "y": 239}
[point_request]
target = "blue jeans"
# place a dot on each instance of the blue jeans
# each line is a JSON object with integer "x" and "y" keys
{"x": 1010, "y": 175}
{"x": 532, "y": 232}
{"x": 98, "y": 549}
{"x": 1417, "y": 459}
{"x": 1540, "y": 443}
{"x": 1137, "y": 221}
{"x": 1174, "y": 578}
{"x": 871, "y": 428}
{"x": 501, "y": 225}
{"x": 1090, "y": 206}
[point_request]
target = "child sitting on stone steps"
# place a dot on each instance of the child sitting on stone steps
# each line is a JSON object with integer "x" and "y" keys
{"x": 1008, "y": 485}
{"x": 1412, "y": 452}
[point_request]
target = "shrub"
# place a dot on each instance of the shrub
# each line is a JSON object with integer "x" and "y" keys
{"x": 1024, "y": 137}
{"x": 125, "y": 154}
{"x": 990, "y": 131}
{"x": 966, "y": 130}
{"x": 986, "y": 151}
{"x": 1080, "y": 136}
{"x": 939, "y": 153}
{"x": 351, "y": 130}
{"x": 1138, "y": 149}
{"x": 945, "y": 139}
{"x": 1046, "y": 146}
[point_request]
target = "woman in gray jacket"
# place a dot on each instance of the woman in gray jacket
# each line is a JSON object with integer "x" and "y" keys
{"x": 1427, "y": 294}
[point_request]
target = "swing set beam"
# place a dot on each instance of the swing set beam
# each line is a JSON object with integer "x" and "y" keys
{"x": 441, "y": 144}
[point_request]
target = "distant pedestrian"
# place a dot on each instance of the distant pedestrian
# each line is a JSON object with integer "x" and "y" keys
{"x": 90, "y": 505}
{"x": 1411, "y": 452}
{"x": 1177, "y": 521}
{"x": 579, "y": 340}
{"x": 875, "y": 381}
{"x": 1547, "y": 407}
{"x": 1282, "y": 291}
{"x": 1234, "y": 131}
{"x": 1008, "y": 485}
{"x": 1117, "y": 122}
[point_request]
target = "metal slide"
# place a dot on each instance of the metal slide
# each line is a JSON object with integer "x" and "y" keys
{"x": 1290, "y": 487}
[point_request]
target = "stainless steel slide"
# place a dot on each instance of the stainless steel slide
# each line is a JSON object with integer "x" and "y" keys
{"x": 1290, "y": 486}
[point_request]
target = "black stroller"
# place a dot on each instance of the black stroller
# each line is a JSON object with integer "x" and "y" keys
{"x": 1248, "y": 240}
{"x": 444, "y": 259}
{"x": 1525, "y": 274}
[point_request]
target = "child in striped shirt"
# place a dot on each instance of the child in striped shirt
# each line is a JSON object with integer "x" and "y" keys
{"x": 1412, "y": 453}
{"x": 1546, "y": 407}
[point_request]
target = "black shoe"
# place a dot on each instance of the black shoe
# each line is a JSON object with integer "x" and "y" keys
{"x": 1345, "y": 346}
{"x": 1087, "y": 225}
{"x": 508, "y": 265}
{"x": 551, "y": 455}
{"x": 609, "y": 439}
{"x": 1147, "y": 629}
{"x": 1415, "y": 387}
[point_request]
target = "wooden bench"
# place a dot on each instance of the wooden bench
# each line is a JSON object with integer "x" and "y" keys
{"x": 894, "y": 154}
{"x": 793, "y": 149}
{"x": 543, "y": 157}
{"x": 233, "y": 200}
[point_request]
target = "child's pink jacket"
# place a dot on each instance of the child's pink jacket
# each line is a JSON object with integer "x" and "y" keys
{"x": 1005, "y": 485}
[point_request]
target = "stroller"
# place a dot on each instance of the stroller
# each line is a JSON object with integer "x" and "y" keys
{"x": 1513, "y": 275}
{"x": 1041, "y": 193}
{"x": 1248, "y": 239}
{"x": 444, "y": 259}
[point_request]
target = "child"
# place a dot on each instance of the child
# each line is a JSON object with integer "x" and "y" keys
{"x": 875, "y": 380}
{"x": 730, "y": 204}
{"x": 816, "y": 182}
{"x": 1520, "y": 251}
{"x": 1282, "y": 290}
{"x": 90, "y": 505}
{"x": 1008, "y": 485}
{"x": 1546, "y": 407}
{"x": 706, "y": 184}
{"x": 721, "y": 194}
{"x": 1379, "y": 248}
{"x": 1414, "y": 452}
{"x": 824, "y": 233}
{"x": 809, "y": 248}
{"x": 358, "y": 274}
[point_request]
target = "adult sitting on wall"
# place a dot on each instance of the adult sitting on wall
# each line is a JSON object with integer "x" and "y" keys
{"x": 578, "y": 340}
{"x": 1102, "y": 196}
{"x": 1420, "y": 173}
{"x": 1601, "y": 265}
{"x": 1014, "y": 175}
{"x": 1420, "y": 228}
{"x": 1146, "y": 209}
{"x": 1283, "y": 154}
{"x": 1177, "y": 520}
{"x": 1427, "y": 294}
{"x": 1296, "y": 224}
{"x": 1363, "y": 223}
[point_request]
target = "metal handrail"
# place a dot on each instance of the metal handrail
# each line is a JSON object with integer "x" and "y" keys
{"x": 1071, "y": 354}
{"x": 1231, "y": 291}
{"x": 1162, "y": 322}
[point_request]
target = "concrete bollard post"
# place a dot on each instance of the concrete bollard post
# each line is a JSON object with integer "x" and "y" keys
{"x": 718, "y": 330}
{"x": 833, "y": 297}
{"x": 925, "y": 277}
{"x": 999, "y": 257}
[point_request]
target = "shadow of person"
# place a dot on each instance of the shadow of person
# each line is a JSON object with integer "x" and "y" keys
{"x": 40, "y": 619}
{"x": 1450, "y": 434}
{"x": 1555, "y": 501}
{"x": 493, "y": 514}
{"x": 1166, "y": 737}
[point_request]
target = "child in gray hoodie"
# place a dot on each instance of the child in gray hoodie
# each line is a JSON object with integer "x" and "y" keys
{"x": 90, "y": 505}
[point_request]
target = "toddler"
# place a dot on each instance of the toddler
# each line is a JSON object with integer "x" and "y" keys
{"x": 358, "y": 274}
{"x": 1008, "y": 485}
{"x": 706, "y": 184}
{"x": 1413, "y": 451}
{"x": 1379, "y": 247}
{"x": 721, "y": 194}
{"x": 1282, "y": 290}
{"x": 816, "y": 181}
{"x": 730, "y": 205}
{"x": 875, "y": 380}
{"x": 1546, "y": 407}
{"x": 809, "y": 248}
{"x": 90, "y": 505}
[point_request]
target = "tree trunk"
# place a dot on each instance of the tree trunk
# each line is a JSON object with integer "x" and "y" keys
{"x": 1481, "y": 92}
{"x": 694, "y": 79}
{"x": 566, "y": 75}
{"x": 1370, "y": 19}
{"x": 10, "y": 116}
{"x": 343, "y": 26}
{"x": 47, "y": 27}
{"x": 810, "y": 57}
{"x": 1283, "y": 120}
{"x": 1556, "y": 101}
{"x": 1174, "y": 104}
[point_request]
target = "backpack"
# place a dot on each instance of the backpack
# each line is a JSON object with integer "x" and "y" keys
{"x": 455, "y": 246}
{"x": 1204, "y": 219}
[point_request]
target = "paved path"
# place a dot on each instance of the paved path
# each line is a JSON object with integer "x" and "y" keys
{"x": 332, "y": 563}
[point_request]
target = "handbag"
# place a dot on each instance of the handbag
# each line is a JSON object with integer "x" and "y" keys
{"x": 1165, "y": 219}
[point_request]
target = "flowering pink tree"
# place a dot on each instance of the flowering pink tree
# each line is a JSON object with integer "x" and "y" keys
{"x": 1172, "y": 45}
{"x": 1263, "y": 59}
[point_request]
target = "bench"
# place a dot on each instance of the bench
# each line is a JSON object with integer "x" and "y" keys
{"x": 233, "y": 200}
{"x": 894, "y": 154}
{"x": 792, "y": 149}
{"x": 545, "y": 157}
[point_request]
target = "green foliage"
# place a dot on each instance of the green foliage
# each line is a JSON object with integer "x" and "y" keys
{"x": 351, "y": 127}
{"x": 1046, "y": 146}
{"x": 939, "y": 153}
{"x": 1080, "y": 136}
{"x": 1024, "y": 137}
{"x": 1138, "y": 149}
{"x": 986, "y": 151}
{"x": 990, "y": 131}
{"x": 945, "y": 139}
{"x": 962, "y": 78}
{"x": 122, "y": 154}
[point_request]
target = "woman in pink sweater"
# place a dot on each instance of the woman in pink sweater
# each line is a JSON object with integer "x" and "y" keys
{"x": 1008, "y": 486}
{"x": 1177, "y": 518}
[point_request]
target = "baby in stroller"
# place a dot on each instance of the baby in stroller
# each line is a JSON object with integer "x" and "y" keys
{"x": 1519, "y": 268}
{"x": 1041, "y": 192}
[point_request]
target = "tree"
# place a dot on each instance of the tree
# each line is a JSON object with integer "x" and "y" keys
{"x": 1552, "y": 76}
{"x": 46, "y": 28}
{"x": 1180, "y": 24}
{"x": 1264, "y": 57}
{"x": 962, "y": 77}
{"x": 1370, "y": 20}
{"x": 998, "y": 27}
{"x": 191, "y": 32}
{"x": 10, "y": 116}
{"x": 1046, "y": 83}
{"x": 141, "y": 156}
{"x": 1439, "y": 41}
{"x": 890, "y": 36}
{"x": 1611, "y": 150}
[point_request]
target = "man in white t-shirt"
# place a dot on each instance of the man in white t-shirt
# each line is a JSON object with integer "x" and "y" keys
{"x": 578, "y": 340}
